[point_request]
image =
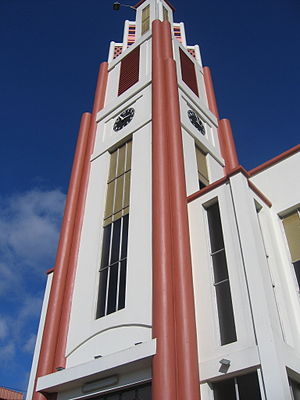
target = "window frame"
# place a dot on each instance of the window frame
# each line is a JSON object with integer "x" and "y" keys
{"x": 113, "y": 262}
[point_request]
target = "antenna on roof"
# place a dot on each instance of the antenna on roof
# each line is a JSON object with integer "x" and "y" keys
{"x": 117, "y": 5}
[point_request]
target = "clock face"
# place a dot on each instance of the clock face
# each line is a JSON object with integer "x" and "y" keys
{"x": 123, "y": 119}
{"x": 196, "y": 121}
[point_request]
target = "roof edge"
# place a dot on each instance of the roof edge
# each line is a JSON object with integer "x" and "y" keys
{"x": 274, "y": 160}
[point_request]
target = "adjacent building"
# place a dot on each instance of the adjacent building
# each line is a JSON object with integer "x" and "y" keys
{"x": 178, "y": 271}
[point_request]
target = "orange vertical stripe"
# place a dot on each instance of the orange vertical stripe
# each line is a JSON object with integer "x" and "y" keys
{"x": 164, "y": 362}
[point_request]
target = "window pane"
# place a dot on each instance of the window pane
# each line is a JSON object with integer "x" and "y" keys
{"x": 119, "y": 194}
{"x": 112, "y": 166}
{"x": 215, "y": 228}
{"x": 165, "y": 14}
{"x": 102, "y": 293}
{"x": 112, "y": 289}
{"x": 202, "y": 167}
{"x": 145, "y": 19}
{"x": 220, "y": 266}
{"x": 144, "y": 393}
{"x": 248, "y": 387}
{"x": 225, "y": 313}
{"x": 122, "y": 285}
{"x": 129, "y": 395}
{"x": 127, "y": 190}
{"x": 292, "y": 230}
{"x": 128, "y": 155}
{"x": 224, "y": 390}
{"x": 124, "y": 237}
{"x": 121, "y": 160}
{"x": 106, "y": 246}
{"x": 297, "y": 271}
{"x": 295, "y": 389}
{"x": 109, "y": 199}
{"x": 115, "y": 248}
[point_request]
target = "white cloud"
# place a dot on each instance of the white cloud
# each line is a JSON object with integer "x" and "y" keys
{"x": 7, "y": 351}
{"x": 3, "y": 328}
{"x": 29, "y": 226}
{"x": 29, "y": 345}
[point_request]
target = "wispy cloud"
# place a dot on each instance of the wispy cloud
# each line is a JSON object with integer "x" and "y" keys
{"x": 29, "y": 227}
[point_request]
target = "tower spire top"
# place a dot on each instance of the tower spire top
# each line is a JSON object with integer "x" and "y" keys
{"x": 166, "y": 1}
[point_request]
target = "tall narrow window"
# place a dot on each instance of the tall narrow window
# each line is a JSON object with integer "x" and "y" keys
{"x": 130, "y": 68}
{"x": 112, "y": 286}
{"x": 221, "y": 278}
{"x": 188, "y": 72}
{"x": 295, "y": 389}
{"x": 145, "y": 19}
{"x": 244, "y": 387}
{"x": 291, "y": 225}
{"x": 202, "y": 168}
{"x": 165, "y": 14}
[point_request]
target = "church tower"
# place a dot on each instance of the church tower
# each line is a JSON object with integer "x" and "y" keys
{"x": 161, "y": 268}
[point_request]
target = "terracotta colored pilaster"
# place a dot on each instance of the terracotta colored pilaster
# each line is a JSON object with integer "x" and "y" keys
{"x": 188, "y": 386}
{"x": 164, "y": 362}
{"x": 210, "y": 92}
{"x": 228, "y": 149}
{"x": 51, "y": 328}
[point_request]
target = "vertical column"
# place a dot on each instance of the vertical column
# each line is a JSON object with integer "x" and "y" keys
{"x": 175, "y": 366}
{"x": 226, "y": 140}
{"x": 188, "y": 386}
{"x": 210, "y": 92}
{"x": 227, "y": 145}
{"x": 164, "y": 362}
{"x": 264, "y": 313}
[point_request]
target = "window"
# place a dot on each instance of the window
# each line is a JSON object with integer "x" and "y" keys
{"x": 291, "y": 225}
{"x": 112, "y": 285}
{"x": 141, "y": 392}
{"x": 202, "y": 168}
{"x": 295, "y": 389}
{"x": 188, "y": 72}
{"x": 244, "y": 387}
{"x": 165, "y": 14}
{"x": 221, "y": 278}
{"x": 145, "y": 19}
{"x": 129, "y": 73}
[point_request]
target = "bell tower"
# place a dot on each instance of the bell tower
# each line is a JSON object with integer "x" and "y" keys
{"x": 119, "y": 311}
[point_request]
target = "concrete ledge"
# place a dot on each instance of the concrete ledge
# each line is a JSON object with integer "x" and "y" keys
{"x": 138, "y": 356}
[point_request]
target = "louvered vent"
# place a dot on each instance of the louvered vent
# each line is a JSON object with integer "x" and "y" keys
{"x": 188, "y": 72}
{"x": 129, "y": 74}
{"x": 117, "y": 51}
{"x": 192, "y": 52}
{"x": 177, "y": 33}
{"x": 131, "y": 35}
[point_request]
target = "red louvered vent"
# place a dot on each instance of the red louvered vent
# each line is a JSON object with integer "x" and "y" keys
{"x": 188, "y": 72}
{"x": 131, "y": 35}
{"x": 177, "y": 33}
{"x": 192, "y": 52}
{"x": 117, "y": 51}
{"x": 129, "y": 74}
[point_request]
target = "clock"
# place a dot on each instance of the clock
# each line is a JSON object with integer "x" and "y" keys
{"x": 124, "y": 119}
{"x": 196, "y": 121}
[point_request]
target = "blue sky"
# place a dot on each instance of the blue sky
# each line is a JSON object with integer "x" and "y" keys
{"x": 50, "y": 53}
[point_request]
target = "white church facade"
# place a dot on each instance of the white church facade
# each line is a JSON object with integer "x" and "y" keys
{"x": 177, "y": 274}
